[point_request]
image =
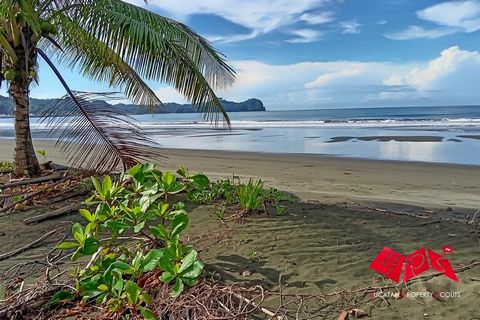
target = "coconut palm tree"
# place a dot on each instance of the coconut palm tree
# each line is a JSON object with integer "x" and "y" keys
{"x": 113, "y": 42}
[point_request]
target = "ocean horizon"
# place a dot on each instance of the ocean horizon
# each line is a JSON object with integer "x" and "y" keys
{"x": 427, "y": 134}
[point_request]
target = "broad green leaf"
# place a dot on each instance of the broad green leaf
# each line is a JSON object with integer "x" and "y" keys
{"x": 90, "y": 246}
{"x": 116, "y": 226}
{"x": 139, "y": 227}
{"x": 167, "y": 277}
{"x": 188, "y": 260}
{"x": 78, "y": 232}
{"x": 68, "y": 245}
{"x": 97, "y": 186}
{"x": 106, "y": 184}
{"x": 102, "y": 287}
{"x": 133, "y": 291}
{"x": 145, "y": 202}
{"x": 179, "y": 223}
{"x": 168, "y": 178}
{"x": 194, "y": 271}
{"x": 87, "y": 215}
{"x": 150, "y": 262}
{"x": 160, "y": 232}
{"x": 60, "y": 296}
{"x": 147, "y": 314}
{"x": 133, "y": 170}
{"x": 163, "y": 208}
{"x": 175, "y": 188}
{"x": 166, "y": 264}
{"x": 145, "y": 297}
{"x": 200, "y": 180}
{"x": 177, "y": 288}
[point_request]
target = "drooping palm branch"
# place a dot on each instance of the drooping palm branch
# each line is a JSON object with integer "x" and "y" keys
{"x": 122, "y": 45}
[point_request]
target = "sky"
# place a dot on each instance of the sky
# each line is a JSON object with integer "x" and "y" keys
{"x": 313, "y": 54}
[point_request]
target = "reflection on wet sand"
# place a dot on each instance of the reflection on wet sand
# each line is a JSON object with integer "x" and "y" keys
{"x": 388, "y": 138}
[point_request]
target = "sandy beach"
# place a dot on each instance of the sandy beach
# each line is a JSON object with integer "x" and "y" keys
{"x": 325, "y": 178}
{"x": 350, "y": 210}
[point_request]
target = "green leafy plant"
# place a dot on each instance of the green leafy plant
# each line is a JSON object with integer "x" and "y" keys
{"x": 135, "y": 203}
{"x": 43, "y": 153}
{"x": 6, "y": 166}
{"x": 224, "y": 190}
{"x": 250, "y": 195}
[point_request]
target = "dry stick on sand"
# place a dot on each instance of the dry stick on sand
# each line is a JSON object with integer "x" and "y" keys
{"x": 53, "y": 214}
{"x": 30, "y": 196}
{"x": 53, "y": 177}
{"x": 474, "y": 216}
{"x": 26, "y": 247}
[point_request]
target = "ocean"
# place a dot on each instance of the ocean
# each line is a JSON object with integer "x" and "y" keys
{"x": 428, "y": 134}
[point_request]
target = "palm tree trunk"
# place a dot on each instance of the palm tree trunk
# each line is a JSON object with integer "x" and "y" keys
{"x": 25, "y": 160}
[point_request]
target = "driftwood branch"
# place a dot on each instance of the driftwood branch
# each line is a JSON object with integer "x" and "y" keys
{"x": 26, "y": 247}
{"x": 53, "y": 214}
{"x": 53, "y": 177}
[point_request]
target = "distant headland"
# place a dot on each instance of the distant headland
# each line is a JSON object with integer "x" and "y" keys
{"x": 6, "y": 107}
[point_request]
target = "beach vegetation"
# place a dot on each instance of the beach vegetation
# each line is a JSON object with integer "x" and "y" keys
{"x": 109, "y": 41}
{"x": 132, "y": 230}
{"x": 6, "y": 166}
{"x": 250, "y": 195}
{"x": 43, "y": 153}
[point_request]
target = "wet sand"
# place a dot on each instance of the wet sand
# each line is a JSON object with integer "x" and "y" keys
{"x": 389, "y": 138}
{"x": 329, "y": 179}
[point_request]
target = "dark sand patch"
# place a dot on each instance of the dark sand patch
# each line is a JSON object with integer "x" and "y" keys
{"x": 316, "y": 248}
{"x": 388, "y": 138}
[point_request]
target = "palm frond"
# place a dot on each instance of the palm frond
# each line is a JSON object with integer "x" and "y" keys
{"x": 96, "y": 137}
{"x": 158, "y": 49}
{"x": 80, "y": 49}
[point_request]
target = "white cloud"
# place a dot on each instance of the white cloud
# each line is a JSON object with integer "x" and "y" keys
{"x": 308, "y": 84}
{"x": 449, "y": 17}
{"x": 315, "y": 19}
{"x": 326, "y": 78}
{"x": 427, "y": 76}
{"x": 458, "y": 14}
{"x": 416, "y": 32}
{"x": 449, "y": 78}
{"x": 305, "y": 36}
{"x": 350, "y": 26}
{"x": 169, "y": 94}
{"x": 233, "y": 37}
{"x": 260, "y": 16}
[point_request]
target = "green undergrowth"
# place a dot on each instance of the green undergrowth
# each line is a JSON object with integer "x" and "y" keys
{"x": 133, "y": 227}
{"x": 6, "y": 166}
{"x": 249, "y": 197}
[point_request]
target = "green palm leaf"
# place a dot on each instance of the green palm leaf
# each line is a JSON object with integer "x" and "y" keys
{"x": 112, "y": 42}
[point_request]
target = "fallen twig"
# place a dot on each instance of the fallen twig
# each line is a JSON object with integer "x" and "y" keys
{"x": 26, "y": 247}
{"x": 52, "y": 177}
{"x": 53, "y": 214}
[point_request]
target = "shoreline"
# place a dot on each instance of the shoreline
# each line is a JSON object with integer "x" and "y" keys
{"x": 325, "y": 178}
{"x": 50, "y": 143}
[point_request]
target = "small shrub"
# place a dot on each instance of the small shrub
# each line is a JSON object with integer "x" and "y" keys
{"x": 133, "y": 205}
{"x": 43, "y": 153}
{"x": 6, "y": 166}
{"x": 250, "y": 195}
{"x": 224, "y": 190}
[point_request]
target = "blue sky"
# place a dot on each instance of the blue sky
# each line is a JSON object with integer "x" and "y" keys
{"x": 307, "y": 54}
